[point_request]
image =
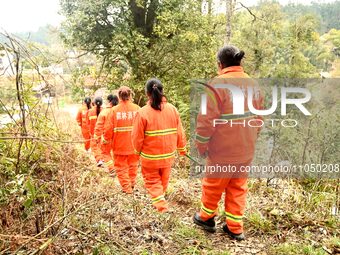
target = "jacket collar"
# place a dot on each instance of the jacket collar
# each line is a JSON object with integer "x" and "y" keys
{"x": 231, "y": 69}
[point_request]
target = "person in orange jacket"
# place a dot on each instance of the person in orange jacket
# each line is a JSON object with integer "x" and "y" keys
{"x": 156, "y": 135}
{"x": 104, "y": 146}
{"x": 119, "y": 132}
{"x": 227, "y": 145}
{"x": 82, "y": 121}
{"x": 92, "y": 120}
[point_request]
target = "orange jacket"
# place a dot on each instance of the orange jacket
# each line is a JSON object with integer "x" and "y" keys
{"x": 157, "y": 134}
{"x": 100, "y": 124}
{"x": 119, "y": 127}
{"x": 82, "y": 116}
{"x": 225, "y": 143}
{"x": 92, "y": 119}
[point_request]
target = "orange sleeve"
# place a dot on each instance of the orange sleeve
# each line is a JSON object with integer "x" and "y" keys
{"x": 137, "y": 135}
{"x": 93, "y": 124}
{"x": 99, "y": 127}
{"x": 90, "y": 121}
{"x": 108, "y": 126}
{"x": 181, "y": 140}
{"x": 205, "y": 123}
{"x": 88, "y": 118}
{"x": 79, "y": 117}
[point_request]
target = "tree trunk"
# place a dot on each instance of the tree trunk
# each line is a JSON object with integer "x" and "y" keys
{"x": 151, "y": 16}
{"x": 144, "y": 15}
{"x": 138, "y": 14}
{"x": 210, "y": 6}
{"x": 230, "y": 4}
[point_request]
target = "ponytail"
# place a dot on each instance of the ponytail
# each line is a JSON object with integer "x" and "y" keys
{"x": 230, "y": 55}
{"x": 98, "y": 110}
{"x": 154, "y": 90}
{"x": 113, "y": 99}
{"x": 124, "y": 93}
{"x": 98, "y": 102}
{"x": 87, "y": 101}
{"x": 239, "y": 56}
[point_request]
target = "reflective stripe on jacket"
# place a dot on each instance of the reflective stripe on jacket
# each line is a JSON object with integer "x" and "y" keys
{"x": 102, "y": 118}
{"x": 92, "y": 119}
{"x": 156, "y": 135}
{"x": 120, "y": 126}
{"x": 82, "y": 116}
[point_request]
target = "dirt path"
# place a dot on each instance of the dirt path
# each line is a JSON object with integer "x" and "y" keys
{"x": 71, "y": 109}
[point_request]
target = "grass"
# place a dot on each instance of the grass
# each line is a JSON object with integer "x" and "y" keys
{"x": 186, "y": 232}
{"x": 260, "y": 223}
{"x": 333, "y": 242}
{"x": 296, "y": 249}
{"x": 336, "y": 71}
{"x": 118, "y": 224}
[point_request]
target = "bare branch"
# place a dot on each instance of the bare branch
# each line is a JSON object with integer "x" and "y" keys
{"x": 250, "y": 12}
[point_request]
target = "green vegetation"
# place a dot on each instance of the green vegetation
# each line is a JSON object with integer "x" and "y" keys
{"x": 292, "y": 249}
{"x": 327, "y": 13}
{"x": 53, "y": 199}
{"x": 178, "y": 42}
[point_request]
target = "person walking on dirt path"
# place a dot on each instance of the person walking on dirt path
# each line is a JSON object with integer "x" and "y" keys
{"x": 92, "y": 120}
{"x": 230, "y": 145}
{"x": 156, "y": 136}
{"x": 105, "y": 146}
{"x": 82, "y": 121}
{"x": 118, "y": 131}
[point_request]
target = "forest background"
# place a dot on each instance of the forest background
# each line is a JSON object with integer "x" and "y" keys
{"x": 46, "y": 178}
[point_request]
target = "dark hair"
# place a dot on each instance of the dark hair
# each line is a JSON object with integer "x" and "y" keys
{"x": 98, "y": 101}
{"x": 154, "y": 90}
{"x": 113, "y": 99}
{"x": 230, "y": 56}
{"x": 87, "y": 101}
{"x": 124, "y": 93}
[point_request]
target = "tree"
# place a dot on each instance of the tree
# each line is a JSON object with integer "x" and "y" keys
{"x": 277, "y": 46}
{"x": 327, "y": 13}
{"x": 168, "y": 39}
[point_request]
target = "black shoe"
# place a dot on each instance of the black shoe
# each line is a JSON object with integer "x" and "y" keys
{"x": 208, "y": 225}
{"x": 237, "y": 237}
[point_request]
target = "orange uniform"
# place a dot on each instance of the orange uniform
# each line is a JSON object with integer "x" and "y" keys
{"x": 105, "y": 146}
{"x": 119, "y": 132}
{"x": 82, "y": 122}
{"x": 92, "y": 120}
{"x": 156, "y": 136}
{"x": 227, "y": 145}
